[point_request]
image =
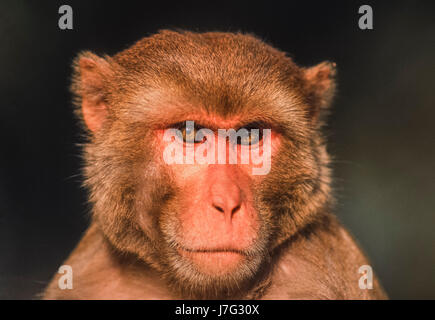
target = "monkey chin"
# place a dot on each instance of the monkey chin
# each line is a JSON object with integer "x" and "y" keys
{"x": 212, "y": 274}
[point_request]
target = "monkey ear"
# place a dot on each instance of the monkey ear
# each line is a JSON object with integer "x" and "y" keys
{"x": 89, "y": 85}
{"x": 320, "y": 87}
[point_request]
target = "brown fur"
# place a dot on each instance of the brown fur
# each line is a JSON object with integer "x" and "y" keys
{"x": 301, "y": 251}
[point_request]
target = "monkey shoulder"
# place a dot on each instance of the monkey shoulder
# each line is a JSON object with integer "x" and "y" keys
{"x": 321, "y": 264}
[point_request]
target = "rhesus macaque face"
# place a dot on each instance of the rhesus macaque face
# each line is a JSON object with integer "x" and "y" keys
{"x": 216, "y": 228}
{"x": 209, "y": 222}
{"x": 217, "y": 223}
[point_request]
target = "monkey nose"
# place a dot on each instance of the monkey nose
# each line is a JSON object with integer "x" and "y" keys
{"x": 227, "y": 201}
{"x": 225, "y": 193}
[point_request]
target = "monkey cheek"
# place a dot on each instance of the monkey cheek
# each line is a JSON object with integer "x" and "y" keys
{"x": 214, "y": 263}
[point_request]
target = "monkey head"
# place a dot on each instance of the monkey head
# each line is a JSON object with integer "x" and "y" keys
{"x": 209, "y": 227}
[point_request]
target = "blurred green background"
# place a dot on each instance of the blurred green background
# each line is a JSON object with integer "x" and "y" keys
{"x": 381, "y": 130}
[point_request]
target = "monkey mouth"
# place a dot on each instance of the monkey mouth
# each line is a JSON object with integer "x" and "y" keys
{"x": 214, "y": 261}
{"x": 214, "y": 250}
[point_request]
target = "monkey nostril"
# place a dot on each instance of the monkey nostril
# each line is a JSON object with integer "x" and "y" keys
{"x": 235, "y": 209}
{"x": 227, "y": 208}
{"x": 218, "y": 208}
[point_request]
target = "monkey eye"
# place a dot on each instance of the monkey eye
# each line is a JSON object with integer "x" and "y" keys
{"x": 250, "y": 134}
{"x": 188, "y": 135}
{"x": 187, "y": 132}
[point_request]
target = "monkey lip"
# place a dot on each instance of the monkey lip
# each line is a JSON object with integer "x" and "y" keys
{"x": 213, "y": 261}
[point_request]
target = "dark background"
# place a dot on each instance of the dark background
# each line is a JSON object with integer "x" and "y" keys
{"x": 381, "y": 129}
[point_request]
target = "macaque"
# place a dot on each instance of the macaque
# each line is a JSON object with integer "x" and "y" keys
{"x": 184, "y": 209}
